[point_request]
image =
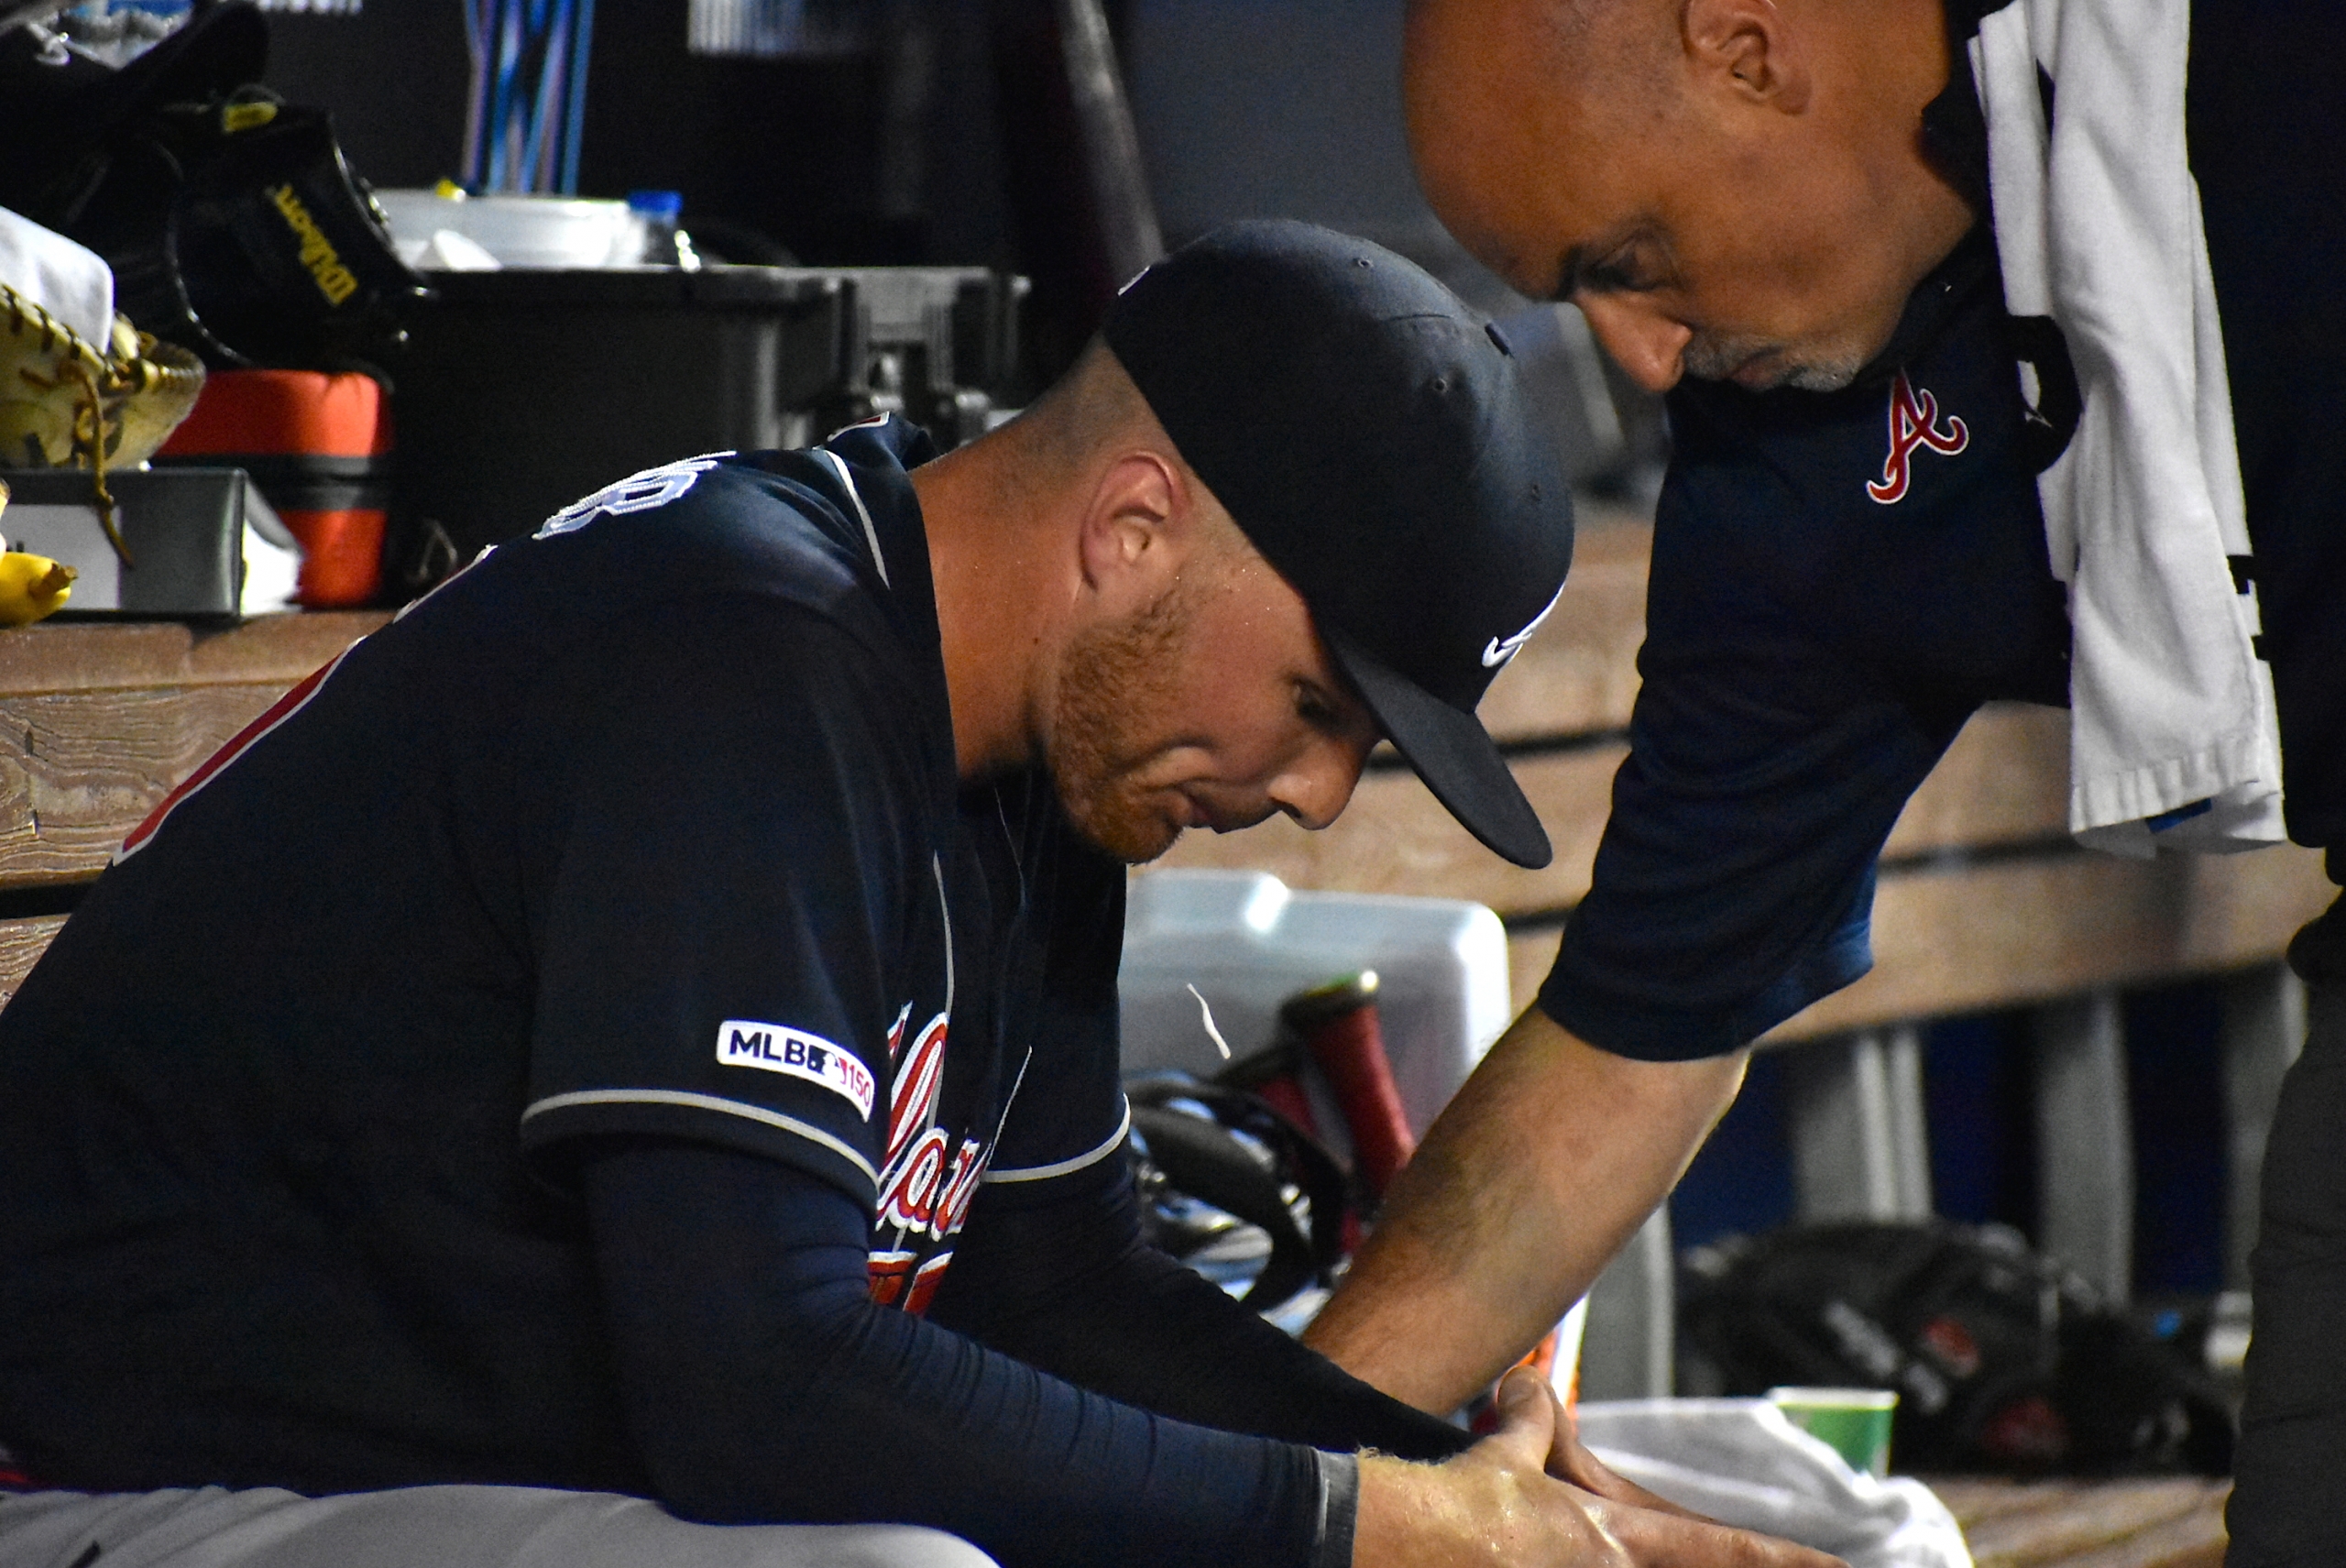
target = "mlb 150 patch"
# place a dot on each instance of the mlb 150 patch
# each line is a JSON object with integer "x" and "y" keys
{"x": 770, "y": 1047}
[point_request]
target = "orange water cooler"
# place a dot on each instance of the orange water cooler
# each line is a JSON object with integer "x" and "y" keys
{"x": 318, "y": 446}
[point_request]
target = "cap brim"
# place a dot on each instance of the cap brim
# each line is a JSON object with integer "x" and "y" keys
{"x": 1450, "y": 752}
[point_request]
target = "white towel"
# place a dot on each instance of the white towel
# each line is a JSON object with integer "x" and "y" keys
{"x": 2097, "y": 223}
{"x": 1741, "y": 1462}
{"x": 71, "y": 283}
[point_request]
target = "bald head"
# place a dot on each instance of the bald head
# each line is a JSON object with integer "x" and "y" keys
{"x": 1602, "y": 46}
{"x": 1728, "y": 187}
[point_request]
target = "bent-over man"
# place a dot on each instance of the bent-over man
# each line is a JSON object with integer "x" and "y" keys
{"x": 1779, "y": 213}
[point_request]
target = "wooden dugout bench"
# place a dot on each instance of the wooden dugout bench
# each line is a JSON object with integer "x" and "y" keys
{"x": 1983, "y": 903}
{"x": 2169, "y": 1522}
{"x": 98, "y": 721}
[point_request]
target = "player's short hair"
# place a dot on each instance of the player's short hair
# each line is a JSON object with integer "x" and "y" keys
{"x": 1093, "y": 405}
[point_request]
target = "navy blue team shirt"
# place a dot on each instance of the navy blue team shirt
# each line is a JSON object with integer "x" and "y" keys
{"x": 1840, "y": 579}
{"x": 569, "y": 1039}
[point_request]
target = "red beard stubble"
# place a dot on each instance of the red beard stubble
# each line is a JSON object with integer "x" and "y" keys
{"x": 1115, "y": 681}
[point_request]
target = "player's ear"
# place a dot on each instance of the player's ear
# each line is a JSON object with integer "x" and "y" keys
{"x": 1136, "y": 529}
{"x": 1747, "y": 50}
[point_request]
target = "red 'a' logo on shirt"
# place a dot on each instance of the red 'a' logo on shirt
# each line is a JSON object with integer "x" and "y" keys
{"x": 1913, "y": 422}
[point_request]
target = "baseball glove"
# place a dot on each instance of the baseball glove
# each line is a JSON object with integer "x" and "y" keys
{"x": 68, "y": 403}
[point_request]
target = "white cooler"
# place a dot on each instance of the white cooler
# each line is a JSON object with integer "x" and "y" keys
{"x": 1247, "y": 942}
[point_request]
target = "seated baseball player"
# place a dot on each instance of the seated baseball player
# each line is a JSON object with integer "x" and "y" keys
{"x": 621, "y": 1065}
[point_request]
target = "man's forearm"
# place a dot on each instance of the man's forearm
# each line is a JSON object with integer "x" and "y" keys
{"x": 1549, "y": 1160}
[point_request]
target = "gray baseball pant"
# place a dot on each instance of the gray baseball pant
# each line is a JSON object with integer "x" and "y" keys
{"x": 431, "y": 1527}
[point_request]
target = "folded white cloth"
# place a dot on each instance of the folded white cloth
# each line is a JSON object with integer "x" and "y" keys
{"x": 2097, "y": 219}
{"x": 68, "y": 281}
{"x": 1741, "y": 1462}
{"x": 272, "y": 559}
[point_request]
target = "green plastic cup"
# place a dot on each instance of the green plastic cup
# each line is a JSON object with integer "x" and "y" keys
{"x": 1855, "y": 1422}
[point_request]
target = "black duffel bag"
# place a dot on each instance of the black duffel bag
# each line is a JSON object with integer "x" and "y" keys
{"x": 2002, "y": 1358}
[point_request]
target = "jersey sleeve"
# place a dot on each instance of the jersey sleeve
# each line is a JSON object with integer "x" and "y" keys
{"x": 1734, "y": 884}
{"x": 763, "y": 1384}
{"x": 730, "y": 840}
{"x": 1069, "y": 1285}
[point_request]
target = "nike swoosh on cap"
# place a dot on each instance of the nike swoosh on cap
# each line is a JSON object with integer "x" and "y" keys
{"x": 1501, "y": 650}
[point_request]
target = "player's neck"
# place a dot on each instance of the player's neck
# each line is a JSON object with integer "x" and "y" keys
{"x": 987, "y": 560}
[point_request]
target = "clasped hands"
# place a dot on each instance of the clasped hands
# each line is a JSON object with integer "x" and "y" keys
{"x": 1530, "y": 1496}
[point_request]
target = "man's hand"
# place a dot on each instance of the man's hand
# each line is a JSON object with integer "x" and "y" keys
{"x": 1569, "y": 1461}
{"x": 1551, "y": 1156}
{"x": 1494, "y": 1506}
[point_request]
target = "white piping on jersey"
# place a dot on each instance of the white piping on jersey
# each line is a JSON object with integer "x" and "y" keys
{"x": 945, "y": 911}
{"x": 1017, "y": 861}
{"x": 1008, "y": 1100}
{"x": 813, "y": 1135}
{"x": 416, "y": 604}
{"x": 937, "y": 869}
{"x": 870, "y": 534}
{"x": 1066, "y": 1167}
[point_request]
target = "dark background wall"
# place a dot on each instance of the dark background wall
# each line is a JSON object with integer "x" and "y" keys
{"x": 935, "y": 143}
{"x": 1246, "y": 108}
{"x": 888, "y": 154}
{"x": 394, "y": 76}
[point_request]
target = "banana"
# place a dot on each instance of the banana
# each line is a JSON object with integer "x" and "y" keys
{"x": 32, "y": 588}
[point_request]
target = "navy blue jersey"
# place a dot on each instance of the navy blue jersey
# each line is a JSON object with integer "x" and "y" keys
{"x": 645, "y": 828}
{"x": 1840, "y": 579}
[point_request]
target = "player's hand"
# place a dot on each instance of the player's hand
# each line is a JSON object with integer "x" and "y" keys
{"x": 1495, "y": 1507}
{"x": 1569, "y": 1461}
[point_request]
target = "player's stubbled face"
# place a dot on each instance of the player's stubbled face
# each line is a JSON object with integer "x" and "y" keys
{"x": 1214, "y": 707}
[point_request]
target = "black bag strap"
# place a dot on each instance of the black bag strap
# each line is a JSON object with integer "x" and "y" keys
{"x": 1201, "y": 1158}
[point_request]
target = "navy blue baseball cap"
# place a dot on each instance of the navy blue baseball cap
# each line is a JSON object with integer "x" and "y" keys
{"x": 1372, "y": 438}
